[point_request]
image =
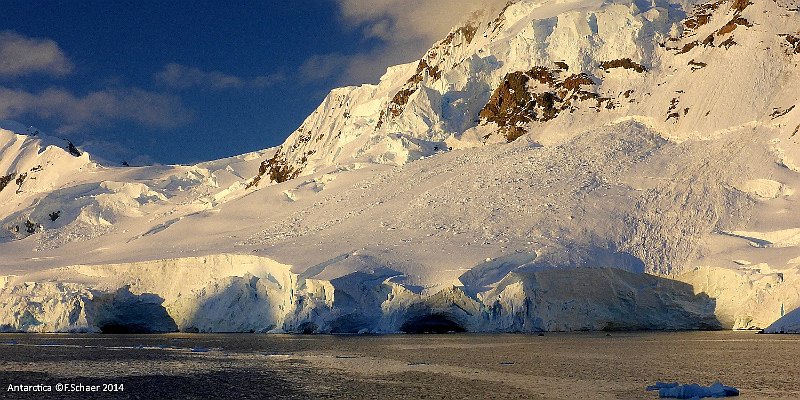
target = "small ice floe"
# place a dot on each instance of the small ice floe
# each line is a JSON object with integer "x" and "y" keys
{"x": 693, "y": 391}
{"x": 200, "y": 350}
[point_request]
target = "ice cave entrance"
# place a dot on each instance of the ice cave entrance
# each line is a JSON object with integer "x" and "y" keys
{"x": 432, "y": 323}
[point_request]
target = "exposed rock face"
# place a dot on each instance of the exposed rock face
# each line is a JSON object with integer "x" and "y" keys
{"x": 626, "y": 63}
{"x": 397, "y": 105}
{"x": 512, "y": 105}
{"x": 428, "y": 68}
{"x": 697, "y": 65}
{"x": 538, "y": 95}
{"x": 712, "y": 13}
{"x": 794, "y": 42}
{"x": 5, "y": 180}
{"x": 277, "y": 169}
{"x": 703, "y": 12}
{"x": 73, "y": 150}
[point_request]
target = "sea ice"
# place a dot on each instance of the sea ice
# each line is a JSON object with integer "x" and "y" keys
{"x": 693, "y": 390}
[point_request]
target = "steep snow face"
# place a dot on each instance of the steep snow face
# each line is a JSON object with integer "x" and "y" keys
{"x": 24, "y": 160}
{"x": 340, "y": 126}
{"x": 688, "y": 69}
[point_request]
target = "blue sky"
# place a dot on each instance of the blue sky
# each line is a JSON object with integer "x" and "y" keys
{"x": 180, "y": 81}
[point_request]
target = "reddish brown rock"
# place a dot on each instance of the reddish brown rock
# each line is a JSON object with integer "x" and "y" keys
{"x": 537, "y": 95}
{"x": 625, "y": 63}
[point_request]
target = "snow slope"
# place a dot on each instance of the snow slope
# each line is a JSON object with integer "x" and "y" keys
{"x": 555, "y": 165}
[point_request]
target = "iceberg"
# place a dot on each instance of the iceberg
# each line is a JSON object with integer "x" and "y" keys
{"x": 788, "y": 323}
{"x": 693, "y": 390}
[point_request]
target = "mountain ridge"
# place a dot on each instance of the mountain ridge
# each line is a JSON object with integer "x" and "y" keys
{"x": 658, "y": 36}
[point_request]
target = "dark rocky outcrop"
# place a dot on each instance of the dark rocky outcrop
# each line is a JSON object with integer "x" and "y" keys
{"x": 671, "y": 111}
{"x": 427, "y": 68}
{"x": 625, "y": 63}
{"x": 794, "y": 42}
{"x": 537, "y": 95}
{"x": 276, "y": 168}
{"x": 30, "y": 226}
{"x": 400, "y": 99}
{"x": 20, "y": 180}
{"x": 54, "y": 215}
{"x": 697, "y": 65}
{"x": 5, "y": 180}
{"x": 73, "y": 150}
{"x": 703, "y": 14}
{"x": 732, "y": 24}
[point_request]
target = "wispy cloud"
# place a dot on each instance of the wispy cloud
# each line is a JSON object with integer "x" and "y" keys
{"x": 98, "y": 108}
{"x": 182, "y": 77}
{"x": 114, "y": 153}
{"x": 410, "y": 20}
{"x": 20, "y": 55}
{"x": 405, "y": 28}
{"x": 322, "y": 66}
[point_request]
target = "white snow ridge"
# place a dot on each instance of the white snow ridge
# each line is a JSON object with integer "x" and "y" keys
{"x": 551, "y": 166}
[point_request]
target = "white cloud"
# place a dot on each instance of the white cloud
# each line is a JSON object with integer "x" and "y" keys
{"x": 182, "y": 77}
{"x": 97, "y": 108}
{"x": 406, "y": 29}
{"x": 408, "y": 20}
{"x": 20, "y": 55}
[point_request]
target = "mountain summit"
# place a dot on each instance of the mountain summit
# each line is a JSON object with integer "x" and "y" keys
{"x": 552, "y": 165}
{"x": 552, "y": 69}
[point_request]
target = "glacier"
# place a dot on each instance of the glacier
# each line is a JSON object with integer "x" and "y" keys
{"x": 547, "y": 166}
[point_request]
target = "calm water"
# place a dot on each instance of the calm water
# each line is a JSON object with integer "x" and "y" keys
{"x": 554, "y": 366}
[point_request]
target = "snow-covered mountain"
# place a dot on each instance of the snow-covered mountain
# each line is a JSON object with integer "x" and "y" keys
{"x": 551, "y": 165}
{"x": 553, "y": 68}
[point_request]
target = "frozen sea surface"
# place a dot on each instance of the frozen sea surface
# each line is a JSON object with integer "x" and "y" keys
{"x": 554, "y": 366}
